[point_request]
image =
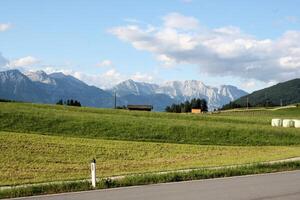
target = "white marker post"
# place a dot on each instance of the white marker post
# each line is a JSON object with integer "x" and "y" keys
{"x": 93, "y": 172}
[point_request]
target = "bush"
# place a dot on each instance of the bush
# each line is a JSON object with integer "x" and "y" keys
{"x": 69, "y": 102}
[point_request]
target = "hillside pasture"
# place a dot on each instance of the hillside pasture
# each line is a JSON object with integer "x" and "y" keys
{"x": 231, "y": 128}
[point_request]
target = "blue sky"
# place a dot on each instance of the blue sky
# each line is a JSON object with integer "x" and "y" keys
{"x": 105, "y": 42}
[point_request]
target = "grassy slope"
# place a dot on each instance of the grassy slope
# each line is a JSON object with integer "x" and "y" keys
{"x": 30, "y": 158}
{"x": 246, "y": 128}
{"x": 288, "y": 92}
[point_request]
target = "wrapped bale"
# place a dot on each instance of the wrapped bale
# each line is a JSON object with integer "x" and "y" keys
{"x": 296, "y": 123}
{"x": 288, "y": 123}
{"x": 276, "y": 122}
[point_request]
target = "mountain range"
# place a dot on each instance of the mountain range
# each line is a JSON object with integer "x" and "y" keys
{"x": 41, "y": 87}
{"x": 175, "y": 92}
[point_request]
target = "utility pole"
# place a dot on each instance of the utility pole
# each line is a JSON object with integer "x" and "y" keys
{"x": 115, "y": 103}
{"x": 247, "y": 102}
{"x": 266, "y": 97}
{"x": 281, "y": 103}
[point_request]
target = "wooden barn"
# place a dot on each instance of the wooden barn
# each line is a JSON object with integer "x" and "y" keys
{"x": 140, "y": 107}
{"x": 196, "y": 111}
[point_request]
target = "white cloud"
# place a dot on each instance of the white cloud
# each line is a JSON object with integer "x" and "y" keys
{"x": 104, "y": 80}
{"x": 249, "y": 84}
{"x": 110, "y": 78}
{"x": 5, "y": 27}
{"x": 167, "y": 61}
{"x": 105, "y": 63}
{"x": 23, "y": 62}
{"x": 223, "y": 51}
{"x": 112, "y": 73}
{"x": 290, "y": 62}
{"x": 140, "y": 77}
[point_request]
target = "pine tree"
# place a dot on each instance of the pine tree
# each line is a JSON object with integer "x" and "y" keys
{"x": 60, "y": 102}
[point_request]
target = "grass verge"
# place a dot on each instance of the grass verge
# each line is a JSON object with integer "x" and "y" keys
{"x": 145, "y": 179}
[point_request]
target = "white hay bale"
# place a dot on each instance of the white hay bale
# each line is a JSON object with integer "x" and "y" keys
{"x": 287, "y": 123}
{"x": 276, "y": 122}
{"x": 296, "y": 123}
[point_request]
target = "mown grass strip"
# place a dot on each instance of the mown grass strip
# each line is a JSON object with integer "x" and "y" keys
{"x": 31, "y": 158}
{"x": 145, "y": 179}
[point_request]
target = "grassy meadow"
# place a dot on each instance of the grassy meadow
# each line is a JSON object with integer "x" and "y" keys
{"x": 40, "y": 143}
{"x": 246, "y": 128}
{"x": 30, "y": 158}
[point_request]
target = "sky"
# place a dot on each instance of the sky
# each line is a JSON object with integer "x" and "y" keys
{"x": 248, "y": 44}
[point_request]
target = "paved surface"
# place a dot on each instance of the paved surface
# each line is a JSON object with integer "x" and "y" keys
{"x": 277, "y": 186}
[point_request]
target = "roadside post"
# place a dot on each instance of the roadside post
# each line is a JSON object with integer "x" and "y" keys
{"x": 93, "y": 172}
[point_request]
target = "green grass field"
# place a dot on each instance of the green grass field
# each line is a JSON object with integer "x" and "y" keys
{"x": 246, "y": 128}
{"x": 29, "y": 158}
{"x": 40, "y": 143}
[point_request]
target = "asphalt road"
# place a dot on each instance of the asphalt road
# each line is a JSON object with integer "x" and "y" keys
{"x": 277, "y": 186}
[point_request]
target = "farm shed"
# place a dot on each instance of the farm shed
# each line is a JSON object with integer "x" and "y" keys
{"x": 140, "y": 107}
{"x": 196, "y": 111}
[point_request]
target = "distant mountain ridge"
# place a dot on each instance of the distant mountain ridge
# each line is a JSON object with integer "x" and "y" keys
{"x": 176, "y": 92}
{"x": 282, "y": 93}
{"x": 16, "y": 86}
{"x": 41, "y": 87}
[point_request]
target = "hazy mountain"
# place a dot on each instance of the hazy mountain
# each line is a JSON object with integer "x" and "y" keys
{"x": 131, "y": 92}
{"x": 130, "y": 87}
{"x": 68, "y": 87}
{"x": 49, "y": 88}
{"x": 16, "y": 86}
{"x": 286, "y": 93}
{"x": 175, "y": 92}
{"x": 43, "y": 88}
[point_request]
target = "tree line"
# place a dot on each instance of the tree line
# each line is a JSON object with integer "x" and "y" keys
{"x": 233, "y": 105}
{"x": 69, "y": 102}
{"x": 187, "y": 106}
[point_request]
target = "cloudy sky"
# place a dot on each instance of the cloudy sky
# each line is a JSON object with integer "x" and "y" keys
{"x": 249, "y": 44}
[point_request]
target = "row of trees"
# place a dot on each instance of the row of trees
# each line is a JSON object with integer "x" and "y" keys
{"x": 69, "y": 102}
{"x": 232, "y": 105}
{"x": 6, "y": 100}
{"x": 187, "y": 106}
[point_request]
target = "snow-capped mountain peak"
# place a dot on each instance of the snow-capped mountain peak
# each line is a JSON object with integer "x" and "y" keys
{"x": 41, "y": 76}
{"x": 12, "y": 75}
{"x": 130, "y": 87}
{"x": 181, "y": 91}
{"x": 41, "y": 87}
{"x": 231, "y": 91}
